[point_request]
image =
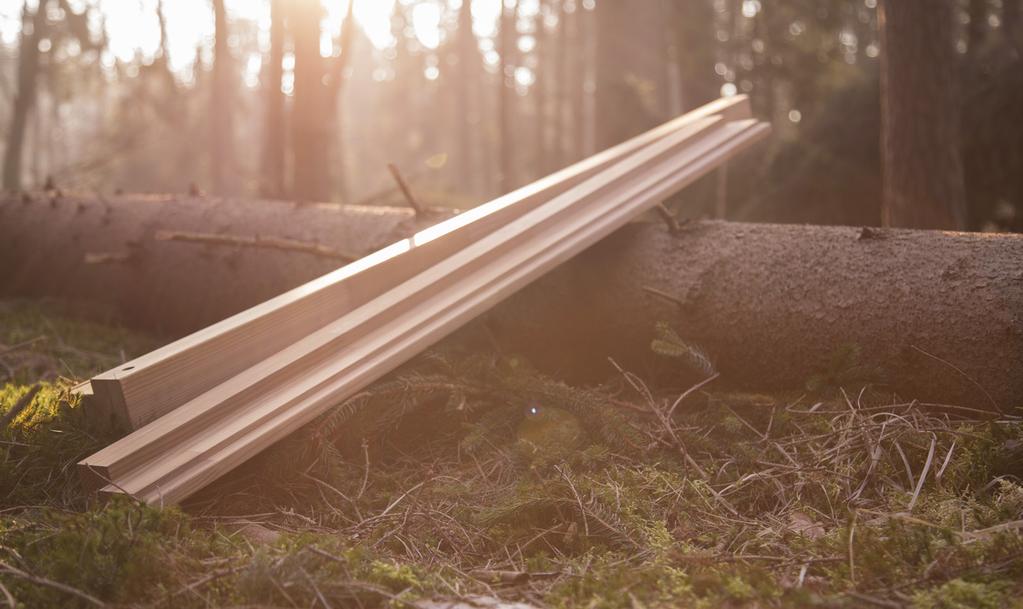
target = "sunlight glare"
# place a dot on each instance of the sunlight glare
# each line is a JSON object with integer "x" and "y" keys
{"x": 426, "y": 22}
{"x": 133, "y": 29}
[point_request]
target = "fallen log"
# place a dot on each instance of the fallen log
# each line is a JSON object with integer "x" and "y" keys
{"x": 940, "y": 313}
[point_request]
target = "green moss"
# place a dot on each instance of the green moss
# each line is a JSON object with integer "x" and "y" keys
{"x": 60, "y": 341}
{"x": 406, "y": 492}
{"x": 960, "y": 594}
{"x": 118, "y": 553}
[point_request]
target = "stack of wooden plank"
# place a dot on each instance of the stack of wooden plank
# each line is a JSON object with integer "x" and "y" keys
{"x": 206, "y": 403}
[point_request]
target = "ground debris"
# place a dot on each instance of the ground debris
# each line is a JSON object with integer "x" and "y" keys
{"x": 420, "y": 492}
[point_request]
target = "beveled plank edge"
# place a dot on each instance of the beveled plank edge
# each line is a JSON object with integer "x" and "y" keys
{"x": 199, "y": 411}
{"x": 735, "y": 107}
{"x": 167, "y": 494}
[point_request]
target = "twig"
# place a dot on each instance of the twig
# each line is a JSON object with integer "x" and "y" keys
{"x": 365, "y": 476}
{"x": 21, "y": 345}
{"x": 202, "y": 581}
{"x": 873, "y": 600}
{"x": 923, "y": 474}
{"x": 316, "y": 589}
{"x": 8, "y": 596}
{"x": 852, "y": 558}
{"x": 257, "y": 241}
{"x": 403, "y": 495}
{"x": 966, "y": 376}
{"x": 948, "y": 458}
{"x": 721, "y": 198}
{"x": 669, "y": 218}
{"x": 582, "y": 509}
{"x": 19, "y": 406}
{"x": 405, "y": 190}
{"x": 691, "y": 390}
{"x": 663, "y": 295}
{"x": 42, "y": 581}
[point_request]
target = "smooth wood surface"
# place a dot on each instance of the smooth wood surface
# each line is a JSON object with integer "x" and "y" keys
{"x": 144, "y": 389}
{"x": 256, "y": 381}
{"x": 177, "y": 455}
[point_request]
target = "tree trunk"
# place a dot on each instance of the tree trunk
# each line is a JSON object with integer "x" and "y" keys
{"x": 468, "y": 61}
{"x": 581, "y": 22}
{"x": 272, "y": 182}
{"x": 922, "y": 165}
{"x": 977, "y": 28}
{"x": 222, "y": 165}
{"x": 693, "y": 47}
{"x": 34, "y": 26}
{"x": 310, "y": 135}
{"x": 631, "y": 55}
{"x": 505, "y": 96}
{"x": 938, "y": 312}
{"x": 1011, "y": 23}
{"x": 560, "y": 87}
{"x": 336, "y": 80}
{"x": 540, "y": 166}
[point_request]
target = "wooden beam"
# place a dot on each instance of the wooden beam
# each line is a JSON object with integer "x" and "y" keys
{"x": 213, "y": 433}
{"x": 142, "y": 390}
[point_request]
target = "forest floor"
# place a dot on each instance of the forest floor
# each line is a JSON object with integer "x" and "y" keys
{"x": 471, "y": 478}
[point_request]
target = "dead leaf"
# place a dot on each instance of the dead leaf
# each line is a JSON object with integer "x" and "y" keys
{"x": 801, "y": 524}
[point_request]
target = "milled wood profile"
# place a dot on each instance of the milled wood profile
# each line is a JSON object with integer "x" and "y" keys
{"x": 326, "y": 348}
{"x": 142, "y": 390}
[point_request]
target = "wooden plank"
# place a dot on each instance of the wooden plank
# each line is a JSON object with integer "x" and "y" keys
{"x": 148, "y": 387}
{"x": 203, "y": 410}
{"x": 314, "y": 374}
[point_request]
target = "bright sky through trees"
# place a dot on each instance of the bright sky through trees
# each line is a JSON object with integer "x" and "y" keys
{"x": 133, "y": 28}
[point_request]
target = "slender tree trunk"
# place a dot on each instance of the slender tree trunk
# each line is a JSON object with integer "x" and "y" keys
{"x": 272, "y": 183}
{"x": 541, "y": 166}
{"x": 560, "y": 91}
{"x": 34, "y": 28}
{"x": 694, "y": 45}
{"x": 467, "y": 56}
{"x": 977, "y": 28}
{"x": 1011, "y": 23}
{"x": 920, "y": 139}
{"x": 336, "y": 80}
{"x": 580, "y": 69}
{"x": 310, "y": 137}
{"x": 505, "y": 96}
{"x": 631, "y": 54}
{"x": 222, "y": 164}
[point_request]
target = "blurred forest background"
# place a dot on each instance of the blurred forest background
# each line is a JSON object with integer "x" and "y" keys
{"x": 311, "y": 100}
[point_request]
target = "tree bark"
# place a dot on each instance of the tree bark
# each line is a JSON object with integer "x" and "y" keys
{"x": 922, "y": 167}
{"x": 560, "y": 86}
{"x": 938, "y": 312}
{"x": 310, "y": 135}
{"x": 466, "y": 106}
{"x": 272, "y": 182}
{"x": 977, "y": 29}
{"x": 221, "y": 106}
{"x": 692, "y": 46}
{"x": 631, "y": 54}
{"x": 34, "y": 27}
{"x": 505, "y": 95}
{"x": 1011, "y": 23}
{"x": 540, "y": 166}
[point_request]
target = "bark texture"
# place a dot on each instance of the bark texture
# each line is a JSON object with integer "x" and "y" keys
{"x": 274, "y": 145}
{"x": 940, "y": 313}
{"x": 111, "y": 252}
{"x": 34, "y": 30}
{"x": 222, "y": 164}
{"x": 920, "y": 108}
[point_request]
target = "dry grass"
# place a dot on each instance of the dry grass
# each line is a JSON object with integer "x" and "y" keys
{"x": 426, "y": 486}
